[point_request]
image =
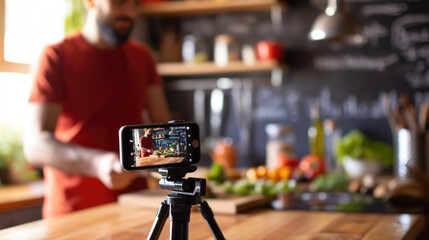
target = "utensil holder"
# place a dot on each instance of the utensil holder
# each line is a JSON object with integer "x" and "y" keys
{"x": 409, "y": 153}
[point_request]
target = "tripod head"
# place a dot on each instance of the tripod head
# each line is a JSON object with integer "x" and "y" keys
{"x": 173, "y": 179}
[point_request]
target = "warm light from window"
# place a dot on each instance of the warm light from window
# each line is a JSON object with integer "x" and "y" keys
{"x": 30, "y": 25}
{"x": 14, "y": 93}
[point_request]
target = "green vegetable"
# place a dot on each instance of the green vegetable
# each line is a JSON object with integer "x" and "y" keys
{"x": 356, "y": 145}
{"x": 165, "y": 152}
{"x": 243, "y": 187}
{"x": 336, "y": 181}
{"x": 228, "y": 187}
{"x": 217, "y": 173}
{"x": 265, "y": 187}
{"x": 285, "y": 186}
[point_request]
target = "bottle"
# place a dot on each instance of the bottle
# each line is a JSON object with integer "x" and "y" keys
{"x": 332, "y": 136}
{"x": 315, "y": 133}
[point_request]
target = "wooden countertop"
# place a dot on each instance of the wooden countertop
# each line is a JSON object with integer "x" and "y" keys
{"x": 113, "y": 221}
{"x": 22, "y": 195}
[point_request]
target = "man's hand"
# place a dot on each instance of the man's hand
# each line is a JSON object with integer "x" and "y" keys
{"x": 108, "y": 170}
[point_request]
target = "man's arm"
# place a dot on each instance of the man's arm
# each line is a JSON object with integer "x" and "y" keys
{"x": 157, "y": 105}
{"x": 42, "y": 148}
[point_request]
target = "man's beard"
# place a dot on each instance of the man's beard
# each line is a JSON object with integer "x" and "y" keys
{"x": 111, "y": 35}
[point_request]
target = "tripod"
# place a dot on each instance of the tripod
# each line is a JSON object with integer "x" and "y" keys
{"x": 186, "y": 192}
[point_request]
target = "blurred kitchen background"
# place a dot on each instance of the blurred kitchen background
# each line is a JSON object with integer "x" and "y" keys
{"x": 261, "y": 77}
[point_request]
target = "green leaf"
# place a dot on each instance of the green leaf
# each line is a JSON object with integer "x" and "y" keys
{"x": 76, "y": 17}
{"x": 356, "y": 145}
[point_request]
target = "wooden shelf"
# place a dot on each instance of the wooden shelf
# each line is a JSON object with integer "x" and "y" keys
{"x": 210, "y": 68}
{"x": 23, "y": 195}
{"x": 192, "y": 7}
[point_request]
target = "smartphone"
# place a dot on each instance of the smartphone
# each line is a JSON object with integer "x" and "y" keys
{"x": 159, "y": 145}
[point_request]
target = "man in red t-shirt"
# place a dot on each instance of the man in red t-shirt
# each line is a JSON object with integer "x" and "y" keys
{"x": 146, "y": 142}
{"x": 85, "y": 88}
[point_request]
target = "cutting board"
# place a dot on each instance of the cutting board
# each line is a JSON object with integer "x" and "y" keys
{"x": 223, "y": 204}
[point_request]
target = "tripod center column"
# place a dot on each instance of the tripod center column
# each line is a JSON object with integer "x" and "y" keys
{"x": 180, "y": 215}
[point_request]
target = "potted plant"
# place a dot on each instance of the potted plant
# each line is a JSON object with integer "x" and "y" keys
{"x": 13, "y": 165}
{"x": 360, "y": 155}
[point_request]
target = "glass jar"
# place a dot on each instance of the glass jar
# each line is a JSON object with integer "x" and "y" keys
{"x": 195, "y": 49}
{"x": 281, "y": 140}
{"x": 226, "y": 49}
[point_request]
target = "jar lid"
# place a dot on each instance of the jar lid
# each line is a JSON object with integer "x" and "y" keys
{"x": 225, "y": 38}
{"x": 274, "y": 129}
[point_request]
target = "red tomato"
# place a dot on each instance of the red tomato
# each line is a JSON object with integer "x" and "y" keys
{"x": 284, "y": 161}
{"x": 312, "y": 165}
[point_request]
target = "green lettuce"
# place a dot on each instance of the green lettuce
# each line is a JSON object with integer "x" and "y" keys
{"x": 356, "y": 145}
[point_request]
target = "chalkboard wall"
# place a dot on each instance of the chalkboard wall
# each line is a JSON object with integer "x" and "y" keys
{"x": 346, "y": 81}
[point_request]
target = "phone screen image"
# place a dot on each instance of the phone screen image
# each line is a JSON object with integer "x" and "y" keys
{"x": 160, "y": 145}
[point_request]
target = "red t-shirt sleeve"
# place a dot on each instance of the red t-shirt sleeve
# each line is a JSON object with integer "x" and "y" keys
{"x": 48, "y": 78}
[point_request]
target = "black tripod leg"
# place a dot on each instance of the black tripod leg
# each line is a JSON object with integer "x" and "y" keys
{"x": 208, "y": 215}
{"x": 179, "y": 221}
{"x": 159, "y": 222}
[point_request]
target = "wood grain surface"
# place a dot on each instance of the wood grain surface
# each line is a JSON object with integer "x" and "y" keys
{"x": 22, "y": 195}
{"x": 195, "y": 7}
{"x": 114, "y": 221}
{"x": 210, "y": 68}
{"x": 224, "y": 204}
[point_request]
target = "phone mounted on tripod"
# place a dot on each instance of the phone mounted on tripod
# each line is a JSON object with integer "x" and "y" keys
{"x": 173, "y": 148}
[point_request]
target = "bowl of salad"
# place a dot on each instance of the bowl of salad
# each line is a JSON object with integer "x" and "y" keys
{"x": 360, "y": 155}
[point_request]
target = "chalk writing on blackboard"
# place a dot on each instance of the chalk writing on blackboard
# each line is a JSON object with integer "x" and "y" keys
{"x": 354, "y": 62}
{"x": 387, "y": 9}
{"x": 294, "y": 105}
{"x": 277, "y": 104}
{"x": 349, "y": 108}
{"x": 373, "y": 31}
{"x": 419, "y": 76}
{"x": 410, "y": 35}
{"x": 409, "y": 30}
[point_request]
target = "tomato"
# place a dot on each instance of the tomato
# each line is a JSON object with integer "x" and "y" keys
{"x": 284, "y": 161}
{"x": 312, "y": 165}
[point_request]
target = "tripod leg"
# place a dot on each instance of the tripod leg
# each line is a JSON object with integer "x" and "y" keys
{"x": 180, "y": 215}
{"x": 159, "y": 222}
{"x": 208, "y": 215}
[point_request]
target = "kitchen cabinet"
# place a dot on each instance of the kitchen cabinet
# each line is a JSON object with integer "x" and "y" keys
{"x": 201, "y": 8}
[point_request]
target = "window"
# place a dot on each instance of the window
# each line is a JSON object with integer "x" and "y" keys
{"x": 26, "y": 26}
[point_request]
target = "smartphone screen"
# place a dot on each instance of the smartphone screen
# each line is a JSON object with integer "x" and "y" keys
{"x": 159, "y": 145}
